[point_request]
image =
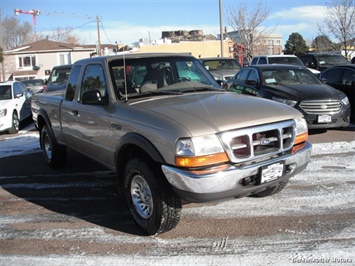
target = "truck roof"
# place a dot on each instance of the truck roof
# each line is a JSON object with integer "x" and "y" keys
{"x": 133, "y": 56}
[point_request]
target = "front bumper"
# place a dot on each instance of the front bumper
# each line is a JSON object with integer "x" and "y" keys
{"x": 5, "y": 123}
{"x": 338, "y": 120}
{"x": 229, "y": 183}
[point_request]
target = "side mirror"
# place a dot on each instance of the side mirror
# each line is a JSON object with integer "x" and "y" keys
{"x": 94, "y": 98}
{"x": 18, "y": 95}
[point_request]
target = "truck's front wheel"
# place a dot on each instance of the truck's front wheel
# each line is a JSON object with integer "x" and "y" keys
{"x": 54, "y": 154}
{"x": 153, "y": 205}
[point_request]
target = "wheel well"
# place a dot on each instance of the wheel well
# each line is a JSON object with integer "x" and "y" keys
{"x": 40, "y": 122}
{"x": 129, "y": 151}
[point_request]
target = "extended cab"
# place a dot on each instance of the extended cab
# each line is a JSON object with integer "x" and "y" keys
{"x": 161, "y": 122}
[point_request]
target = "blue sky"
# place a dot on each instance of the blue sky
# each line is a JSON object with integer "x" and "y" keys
{"x": 128, "y": 21}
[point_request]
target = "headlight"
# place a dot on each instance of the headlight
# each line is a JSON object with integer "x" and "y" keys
{"x": 301, "y": 134}
{"x": 199, "y": 151}
{"x": 345, "y": 100}
{"x": 285, "y": 101}
{"x": 3, "y": 112}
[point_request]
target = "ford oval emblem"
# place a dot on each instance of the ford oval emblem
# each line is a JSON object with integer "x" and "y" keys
{"x": 264, "y": 141}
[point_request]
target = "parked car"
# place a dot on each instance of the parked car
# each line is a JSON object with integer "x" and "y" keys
{"x": 280, "y": 59}
{"x": 35, "y": 85}
{"x": 342, "y": 78}
{"x": 15, "y": 105}
{"x": 58, "y": 78}
{"x": 321, "y": 105}
{"x": 321, "y": 61}
{"x": 221, "y": 68}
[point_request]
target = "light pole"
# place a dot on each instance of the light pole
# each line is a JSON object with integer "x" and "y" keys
{"x": 221, "y": 27}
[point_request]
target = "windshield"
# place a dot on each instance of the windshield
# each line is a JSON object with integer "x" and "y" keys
{"x": 5, "y": 92}
{"x": 285, "y": 60}
{"x": 33, "y": 82}
{"x": 288, "y": 76}
{"x": 222, "y": 64}
{"x": 144, "y": 76}
{"x": 331, "y": 60}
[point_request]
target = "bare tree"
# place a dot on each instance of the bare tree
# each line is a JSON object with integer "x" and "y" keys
{"x": 65, "y": 35}
{"x": 14, "y": 33}
{"x": 340, "y": 22}
{"x": 247, "y": 23}
{"x": 322, "y": 43}
{"x": 62, "y": 35}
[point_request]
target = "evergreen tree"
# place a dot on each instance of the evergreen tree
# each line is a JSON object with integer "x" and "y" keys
{"x": 295, "y": 44}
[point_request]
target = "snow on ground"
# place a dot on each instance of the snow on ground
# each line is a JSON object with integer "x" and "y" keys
{"x": 331, "y": 192}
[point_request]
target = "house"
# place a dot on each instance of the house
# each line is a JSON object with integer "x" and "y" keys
{"x": 35, "y": 60}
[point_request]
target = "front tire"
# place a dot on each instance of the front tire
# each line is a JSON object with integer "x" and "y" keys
{"x": 152, "y": 203}
{"x": 15, "y": 126}
{"x": 54, "y": 154}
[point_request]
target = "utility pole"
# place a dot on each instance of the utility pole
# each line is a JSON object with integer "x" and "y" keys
{"x": 1, "y": 45}
{"x": 221, "y": 28}
{"x": 98, "y": 35}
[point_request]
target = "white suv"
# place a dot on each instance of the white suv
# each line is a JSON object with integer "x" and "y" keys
{"x": 280, "y": 59}
{"x": 15, "y": 105}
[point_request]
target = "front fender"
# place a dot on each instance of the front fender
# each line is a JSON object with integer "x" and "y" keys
{"x": 131, "y": 143}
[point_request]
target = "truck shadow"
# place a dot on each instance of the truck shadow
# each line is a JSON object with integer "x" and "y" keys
{"x": 83, "y": 189}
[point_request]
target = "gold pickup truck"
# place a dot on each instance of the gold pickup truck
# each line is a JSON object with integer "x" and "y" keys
{"x": 172, "y": 135}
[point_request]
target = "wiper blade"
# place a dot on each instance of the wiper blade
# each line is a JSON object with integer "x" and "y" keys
{"x": 194, "y": 89}
{"x": 161, "y": 92}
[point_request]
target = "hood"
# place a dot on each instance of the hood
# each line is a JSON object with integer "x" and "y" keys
{"x": 206, "y": 113}
{"x": 5, "y": 104}
{"x": 301, "y": 92}
{"x": 224, "y": 72}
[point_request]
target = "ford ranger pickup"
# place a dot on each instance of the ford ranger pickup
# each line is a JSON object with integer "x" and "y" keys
{"x": 172, "y": 135}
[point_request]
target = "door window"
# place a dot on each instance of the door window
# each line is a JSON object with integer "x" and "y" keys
{"x": 94, "y": 79}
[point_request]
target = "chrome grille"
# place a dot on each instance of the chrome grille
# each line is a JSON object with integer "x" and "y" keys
{"x": 321, "y": 107}
{"x": 258, "y": 142}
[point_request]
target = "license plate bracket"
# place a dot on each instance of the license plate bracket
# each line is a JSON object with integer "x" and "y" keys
{"x": 271, "y": 172}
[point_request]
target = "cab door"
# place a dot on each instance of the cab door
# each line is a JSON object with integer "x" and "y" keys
{"x": 88, "y": 128}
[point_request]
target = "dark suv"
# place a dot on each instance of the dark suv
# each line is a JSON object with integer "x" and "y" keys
{"x": 321, "y": 61}
{"x": 58, "y": 78}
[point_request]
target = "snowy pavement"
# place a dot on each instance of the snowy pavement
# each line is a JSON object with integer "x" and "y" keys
{"x": 311, "y": 222}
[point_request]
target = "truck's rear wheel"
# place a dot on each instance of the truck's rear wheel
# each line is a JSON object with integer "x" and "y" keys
{"x": 153, "y": 205}
{"x": 54, "y": 154}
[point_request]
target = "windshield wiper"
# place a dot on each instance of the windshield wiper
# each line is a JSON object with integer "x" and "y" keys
{"x": 194, "y": 89}
{"x": 161, "y": 92}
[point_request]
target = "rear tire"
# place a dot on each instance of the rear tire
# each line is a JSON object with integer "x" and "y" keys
{"x": 152, "y": 203}
{"x": 15, "y": 126}
{"x": 271, "y": 191}
{"x": 54, "y": 154}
